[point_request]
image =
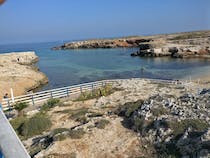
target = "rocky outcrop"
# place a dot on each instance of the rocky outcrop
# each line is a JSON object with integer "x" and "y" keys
{"x": 177, "y": 126}
{"x": 91, "y": 44}
{"x": 19, "y": 72}
{"x": 173, "y": 50}
{"x": 180, "y": 45}
{"x": 184, "y": 45}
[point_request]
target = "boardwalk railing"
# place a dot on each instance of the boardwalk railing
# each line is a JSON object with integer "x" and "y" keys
{"x": 35, "y": 98}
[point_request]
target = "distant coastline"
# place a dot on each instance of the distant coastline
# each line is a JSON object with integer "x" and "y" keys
{"x": 178, "y": 45}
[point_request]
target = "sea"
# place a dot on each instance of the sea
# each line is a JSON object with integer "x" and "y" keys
{"x": 70, "y": 67}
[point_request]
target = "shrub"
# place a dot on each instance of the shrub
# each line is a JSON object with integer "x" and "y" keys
{"x": 17, "y": 123}
{"x": 79, "y": 115}
{"x": 102, "y": 123}
{"x": 96, "y": 93}
{"x": 59, "y": 130}
{"x": 139, "y": 124}
{"x": 60, "y": 137}
{"x": 196, "y": 125}
{"x": 128, "y": 108}
{"x": 51, "y": 103}
{"x": 20, "y": 106}
{"x": 35, "y": 125}
{"x": 159, "y": 111}
{"x": 76, "y": 134}
{"x": 95, "y": 114}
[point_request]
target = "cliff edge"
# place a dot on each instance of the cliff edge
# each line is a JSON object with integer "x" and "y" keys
{"x": 19, "y": 72}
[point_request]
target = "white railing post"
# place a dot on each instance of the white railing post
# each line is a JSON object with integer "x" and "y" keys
{"x": 51, "y": 94}
{"x": 8, "y": 103}
{"x": 12, "y": 95}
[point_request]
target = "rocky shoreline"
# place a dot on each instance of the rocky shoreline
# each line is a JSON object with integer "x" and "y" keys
{"x": 104, "y": 43}
{"x": 173, "y": 50}
{"x": 19, "y": 72}
{"x": 180, "y": 45}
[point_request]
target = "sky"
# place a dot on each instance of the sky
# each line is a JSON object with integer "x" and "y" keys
{"x": 29, "y": 21}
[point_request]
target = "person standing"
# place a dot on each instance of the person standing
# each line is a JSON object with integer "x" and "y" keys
{"x": 6, "y": 96}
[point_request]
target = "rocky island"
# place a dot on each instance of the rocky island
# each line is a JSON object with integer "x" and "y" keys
{"x": 179, "y": 45}
{"x": 103, "y": 43}
{"x": 19, "y": 72}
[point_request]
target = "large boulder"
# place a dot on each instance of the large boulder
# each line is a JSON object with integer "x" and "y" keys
{"x": 173, "y": 50}
{"x": 145, "y": 46}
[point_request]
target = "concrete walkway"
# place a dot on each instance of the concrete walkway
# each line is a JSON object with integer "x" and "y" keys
{"x": 10, "y": 144}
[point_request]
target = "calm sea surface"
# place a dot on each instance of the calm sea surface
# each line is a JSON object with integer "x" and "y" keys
{"x": 68, "y": 67}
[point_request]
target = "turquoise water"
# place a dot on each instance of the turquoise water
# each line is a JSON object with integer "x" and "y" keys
{"x": 68, "y": 67}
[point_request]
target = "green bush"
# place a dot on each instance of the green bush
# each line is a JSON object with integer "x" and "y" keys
{"x": 128, "y": 108}
{"x": 76, "y": 134}
{"x": 35, "y": 125}
{"x": 96, "y": 93}
{"x": 28, "y": 127}
{"x": 17, "y": 123}
{"x": 102, "y": 124}
{"x": 196, "y": 125}
{"x": 51, "y": 103}
{"x": 79, "y": 115}
{"x": 20, "y": 106}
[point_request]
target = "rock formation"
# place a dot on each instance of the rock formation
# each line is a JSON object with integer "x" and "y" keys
{"x": 179, "y": 46}
{"x": 19, "y": 73}
{"x": 109, "y": 43}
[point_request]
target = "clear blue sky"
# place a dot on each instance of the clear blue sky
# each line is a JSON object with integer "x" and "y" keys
{"x": 52, "y": 20}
